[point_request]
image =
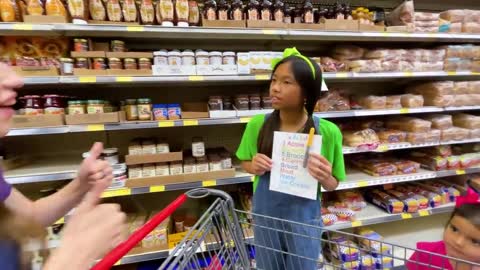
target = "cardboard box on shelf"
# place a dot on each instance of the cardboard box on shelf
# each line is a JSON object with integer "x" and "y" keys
{"x": 194, "y": 110}
{"x": 223, "y": 114}
{"x": 129, "y": 72}
{"x": 243, "y": 63}
{"x": 179, "y": 179}
{"x": 158, "y": 238}
{"x": 47, "y": 120}
{"x": 224, "y": 24}
{"x": 89, "y": 54}
{"x": 217, "y": 70}
{"x": 36, "y": 71}
{"x": 306, "y": 26}
{"x": 340, "y": 25}
{"x": 371, "y": 28}
{"x": 112, "y": 23}
{"x": 154, "y": 158}
{"x": 266, "y": 24}
{"x": 89, "y": 72}
{"x": 174, "y": 70}
{"x": 247, "y": 113}
{"x": 44, "y": 19}
{"x": 98, "y": 118}
{"x": 129, "y": 54}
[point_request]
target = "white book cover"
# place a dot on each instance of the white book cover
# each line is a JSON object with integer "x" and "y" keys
{"x": 288, "y": 174}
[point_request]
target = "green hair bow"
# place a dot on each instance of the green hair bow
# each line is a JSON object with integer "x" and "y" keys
{"x": 293, "y": 52}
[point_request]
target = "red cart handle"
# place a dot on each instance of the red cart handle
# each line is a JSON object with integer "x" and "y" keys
{"x": 121, "y": 250}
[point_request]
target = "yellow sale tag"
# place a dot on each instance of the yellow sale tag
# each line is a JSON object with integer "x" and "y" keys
{"x": 60, "y": 221}
{"x": 253, "y": 178}
{"x": 404, "y": 110}
{"x": 209, "y": 183}
{"x": 119, "y": 262}
{"x": 362, "y": 184}
{"x": 386, "y": 34}
{"x": 383, "y": 148}
{"x": 406, "y": 215}
{"x": 124, "y": 79}
{"x": 245, "y": 119}
{"x": 166, "y": 123}
{"x": 196, "y": 78}
{"x": 341, "y": 75}
{"x": 135, "y": 28}
{"x": 357, "y": 223}
{"x": 190, "y": 122}
{"x": 22, "y": 26}
{"x": 408, "y": 74}
{"x": 460, "y": 172}
{"x": 117, "y": 192}
{"x": 269, "y": 31}
{"x": 157, "y": 189}
{"x": 475, "y": 73}
{"x": 423, "y": 213}
{"x": 451, "y": 73}
{"x": 95, "y": 127}
{"x": 262, "y": 77}
{"x": 87, "y": 79}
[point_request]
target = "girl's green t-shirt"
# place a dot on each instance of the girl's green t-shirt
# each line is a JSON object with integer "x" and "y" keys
{"x": 331, "y": 145}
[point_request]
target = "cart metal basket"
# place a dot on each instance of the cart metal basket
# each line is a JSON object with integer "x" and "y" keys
{"x": 223, "y": 239}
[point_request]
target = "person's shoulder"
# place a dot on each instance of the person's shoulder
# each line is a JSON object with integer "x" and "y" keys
{"x": 329, "y": 128}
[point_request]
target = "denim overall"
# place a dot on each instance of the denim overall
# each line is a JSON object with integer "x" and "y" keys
{"x": 274, "y": 249}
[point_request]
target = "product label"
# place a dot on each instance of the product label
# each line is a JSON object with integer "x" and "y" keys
{"x": 198, "y": 149}
{"x": 67, "y": 68}
{"x": 202, "y": 168}
{"x": 226, "y": 163}
{"x": 193, "y": 13}
{"x": 211, "y": 14}
{"x": 279, "y": 16}
{"x": 166, "y": 10}
{"x": 308, "y": 17}
{"x": 222, "y": 15}
{"x": 144, "y": 112}
{"x": 30, "y": 111}
{"x": 287, "y": 19}
{"x": 54, "y": 110}
{"x": 182, "y": 10}
{"x": 265, "y": 15}
{"x": 253, "y": 14}
{"x": 162, "y": 170}
{"x": 297, "y": 20}
{"x": 237, "y": 14}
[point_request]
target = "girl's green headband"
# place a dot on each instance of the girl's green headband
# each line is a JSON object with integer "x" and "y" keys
{"x": 293, "y": 52}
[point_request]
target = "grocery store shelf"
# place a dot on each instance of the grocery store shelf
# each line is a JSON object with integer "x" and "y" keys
{"x": 375, "y": 215}
{"x": 43, "y": 170}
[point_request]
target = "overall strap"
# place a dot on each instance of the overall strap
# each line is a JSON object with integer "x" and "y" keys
{"x": 316, "y": 122}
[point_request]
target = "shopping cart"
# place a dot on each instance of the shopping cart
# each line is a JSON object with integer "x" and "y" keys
{"x": 223, "y": 239}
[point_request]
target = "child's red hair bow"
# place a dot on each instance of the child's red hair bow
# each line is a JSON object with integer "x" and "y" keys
{"x": 471, "y": 197}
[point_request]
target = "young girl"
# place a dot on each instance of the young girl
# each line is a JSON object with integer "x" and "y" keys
{"x": 295, "y": 89}
{"x": 461, "y": 240}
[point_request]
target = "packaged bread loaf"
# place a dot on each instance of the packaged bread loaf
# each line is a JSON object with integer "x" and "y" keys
{"x": 376, "y": 167}
{"x": 129, "y": 10}
{"x": 403, "y": 14}
{"x": 147, "y": 12}
{"x": 410, "y": 124}
{"x": 411, "y": 101}
{"x": 114, "y": 10}
{"x": 394, "y": 102}
{"x": 391, "y": 136}
{"x": 9, "y": 11}
{"x": 406, "y": 166}
{"x": 457, "y": 64}
{"x": 468, "y": 121}
{"x": 365, "y": 65}
{"x": 474, "y": 134}
{"x": 97, "y": 10}
{"x": 471, "y": 27}
{"x": 459, "y": 51}
{"x": 474, "y": 87}
{"x": 373, "y": 124}
{"x": 55, "y": 8}
{"x": 440, "y": 121}
{"x": 390, "y": 65}
{"x": 78, "y": 9}
{"x": 433, "y": 88}
{"x": 453, "y": 15}
{"x": 433, "y": 136}
{"x": 452, "y": 192}
{"x": 427, "y": 24}
{"x": 434, "y": 199}
{"x": 444, "y": 196}
{"x": 363, "y": 138}
{"x": 352, "y": 198}
{"x": 333, "y": 101}
{"x": 385, "y": 201}
{"x": 372, "y": 102}
{"x": 411, "y": 205}
{"x": 440, "y": 150}
{"x": 461, "y": 88}
{"x": 422, "y": 201}
{"x": 342, "y": 211}
{"x": 426, "y": 16}
{"x": 348, "y": 52}
{"x": 439, "y": 100}
{"x": 455, "y": 134}
{"x": 417, "y": 137}
{"x": 383, "y": 54}
{"x": 429, "y": 29}
{"x": 429, "y": 162}
{"x": 35, "y": 7}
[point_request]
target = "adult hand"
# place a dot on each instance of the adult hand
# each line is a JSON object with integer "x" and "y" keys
{"x": 93, "y": 170}
{"x": 261, "y": 164}
{"x": 319, "y": 167}
{"x": 92, "y": 231}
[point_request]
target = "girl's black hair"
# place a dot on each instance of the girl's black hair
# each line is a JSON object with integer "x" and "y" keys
{"x": 470, "y": 212}
{"x": 311, "y": 88}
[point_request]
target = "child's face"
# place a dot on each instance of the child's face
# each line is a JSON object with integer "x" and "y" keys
{"x": 285, "y": 91}
{"x": 462, "y": 240}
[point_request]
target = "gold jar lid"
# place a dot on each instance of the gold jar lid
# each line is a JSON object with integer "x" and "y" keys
{"x": 67, "y": 60}
{"x": 129, "y": 60}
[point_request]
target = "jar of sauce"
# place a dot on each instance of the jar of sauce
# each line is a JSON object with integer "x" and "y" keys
{"x": 278, "y": 11}
{"x": 188, "y": 58}
{"x": 308, "y": 16}
{"x": 255, "y": 101}
{"x": 80, "y": 45}
{"x": 117, "y": 46}
{"x": 174, "y": 58}
{"x": 81, "y": 63}
{"x": 144, "y": 64}
{"x": 227, "y": 103}
{"x": 202, "y": 164}
{"x": 95, "y": 106}
{"x": 160, "y": 58}
{"x": 176, "y": 168}
{"x": 167, "y": 12}
{"x": 160, "y": 112}
{"x": 253, "y": 8}
{"x": 135, "y": 171}
{"x": 266, "y": 11}
{"x": 193, "y": 13}
{"x": 99, "y": 63}
{"x": 210, "y": 10}
{"x": 162, "y": 169}
{"x": 287, "y": 13}
{"x": 189, "y": 165}
{"x": 228, "y": 58}
{"x": 76, "y": 107}
{"x": 115, "y": 63}
{"x": 174, "y": 111}
{"x": 266, "y": 102}
{"x": 226, "y": 160}
{"x": 215, "y": 103}
{"x": 215, "y": 58}
{"x": 131, "y": 109}
{"x": 66, "y": 66}
{"x": 298, "y": 14}
{"x": 198, "y": 147}
{"x": 148, "y": 170}
{"x": 181, "y": 13}
{"x": 215, "y": 163}
{"x": 242, "y": 102}
{"x": 130, "y": 64}
{"x": 222, "y": 10}
{"x": 236, "y": 12}
{"x": 33, "y": 105}
{"x": 111, "y": 155}
{"x": 54, "y": 104}
{"x": 163, "y": 147}
{"x": 144, "y": 109}
{"x": 202, "y": 58}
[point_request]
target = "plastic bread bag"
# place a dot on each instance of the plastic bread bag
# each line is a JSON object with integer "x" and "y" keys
{"x": 462, "y": 100}
{"x": 433, "y": 136}
{"x": 384, "y": 262}
{"x": 453, "y": 162}
{"x": 417, "y": 137}
{"x": 454, "y": 134}
{"x": 333, "y": 101}
{"x": 329, "y": 219}
{"x": 431, "y": 66}
{"x": 422, "y": 201}
{"x": 365, "y": 65}
{"x": 383, "y": 54}
{"x": 434, "y": 55}
{"x": 434, "y": 199}
{"x": 451, "y": 191}
{"x": 426, "y": 24}
{"x": 459, "y": 51}
{"x": 348, "y": 52}
{"x": 379, "y": 169}
{"x": 353, "y": 199}
{"x": 373, "y": 124}
{"x": 430, "y": 29}
{"x": 474, "y": 134}
{"x": 439, "y": 150}
{"x": 451, "y": 27}
{"x": 426, "y": 16}
{"x": 390, "y": 65}
{"x": 406, "y": 166}
{"x": 342, "y": 212}
{"x": 475, "y": 65}
{"x": 439, "y": 100}
{"x": 410, "y": 124}
{"x": 331, "y": 65}
{"x": 468, "y": 121}
{"x": 440, "y": 121}
{"x": 411, "y": 205}
{"x": 394, "y": 102}
{"x": 469, "y": 160}
{"x": 343, "y": 249}
{"x": 461, "y": 88}
{"x": 444, "y": 195}
{"x": 385, "y": 201}
{"x": 433, "y": 88}
{"x": 366, "y": 139}
{"x": 372, "y": 102}
{"x": 471, "y": 27}
{"x": 367, "y": 262}
{"x": 433, "y": 163}
{"x": 402, "y": 14}
{"x": 453, "y": 15}
{"x": 457, "y": 64}
{"x": 372, "y": 241}
{"x": 391, "y": 136}
{"x": 474, "y": 87}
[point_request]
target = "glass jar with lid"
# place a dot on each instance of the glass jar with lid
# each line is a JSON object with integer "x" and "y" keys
{"x": 176, "y": 168}
{"x": 131, "y": 109}
{"x": 115, "y": 63}
{"x": 33, "y": 105}
{"x": 54, "y": 104}
{"x": 162, "y": 169}
{"x": 81, "y": 63}
{"x": 130, "y": 64}
{"x": 174, "y": 58}
{"x": 215, "y": 163}
{"x": 215, "y": 58}
{"x": 80, "y": 45}
{"x": 202, "y": 58}
{"x": 144, "y": 106}
{"x": 144, "y": 64}
{"x": 228, "y": 58}
{"x": 189, "y": 165}
{"x": 188, "y": 58}
{"x": 76, "y": 107}
{"x": 95, "y": 106}
{"x": 202, "y": 164}
{"x": 117, "y": 46}
{"x": 66, "y": 66}
{"x": 160, "y": 58}
{"x": 99, "y": 63}
{"x": 198, "y": 147}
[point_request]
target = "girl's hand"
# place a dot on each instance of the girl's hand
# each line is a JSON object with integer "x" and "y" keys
{"x": 319, "y": 168}
{"x": 93, "y": 170}
{"x": 261, "y": 164}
